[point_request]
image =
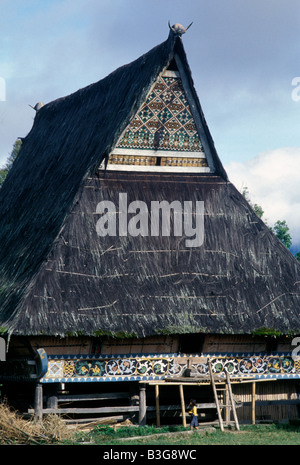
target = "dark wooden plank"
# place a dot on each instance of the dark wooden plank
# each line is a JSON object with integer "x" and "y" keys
{"x": 92, "y": 397}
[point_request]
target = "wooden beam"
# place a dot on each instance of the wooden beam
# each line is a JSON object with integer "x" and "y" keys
{"x": 193, "y": 381}
{"x": 90, "y": 410}
{"x": 176, "y": 383}
{"x": 92, "y": 397}
{"x": 122, "y": 409}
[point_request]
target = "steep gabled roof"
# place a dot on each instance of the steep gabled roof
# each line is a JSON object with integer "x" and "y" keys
{"x": 57, "y": 276}
{"x": 70, "y": 136}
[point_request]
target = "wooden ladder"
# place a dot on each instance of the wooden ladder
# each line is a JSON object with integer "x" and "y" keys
{"x": 225, "y": 386}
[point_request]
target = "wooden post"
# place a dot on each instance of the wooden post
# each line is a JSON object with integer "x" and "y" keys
{"x": 52, "y": 402}
{"x": 253, "y": 402}
{"x": 227, "y": 409}
{"x": 157, "y": 405}
{"x": 182, "y": 404}
{"x": 38, "y": 402}
{"x": 142, "y": 409}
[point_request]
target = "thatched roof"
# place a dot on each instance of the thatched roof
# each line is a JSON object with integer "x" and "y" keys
{"x": 57, "y": 276}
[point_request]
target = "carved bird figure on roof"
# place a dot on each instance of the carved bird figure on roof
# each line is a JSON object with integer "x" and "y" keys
{"x": 178, "y": 29}
{"x": 37, "y": 106}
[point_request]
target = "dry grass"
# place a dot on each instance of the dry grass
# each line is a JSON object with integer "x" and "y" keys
{"x": 16, "y": 430}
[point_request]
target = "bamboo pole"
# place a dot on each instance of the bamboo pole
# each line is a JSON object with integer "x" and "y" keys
{"x": 253, "y": 402}
{"x": 157, "y": 405}
{"x": 227, "y": 409}
{"x": 232, "y": 402}
{"x": 182, "y": 405}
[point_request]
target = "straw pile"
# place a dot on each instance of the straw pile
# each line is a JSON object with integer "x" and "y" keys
{"x": 16, "y": 430}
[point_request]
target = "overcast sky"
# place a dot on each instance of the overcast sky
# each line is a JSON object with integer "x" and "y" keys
{"x": 244, "y": 56}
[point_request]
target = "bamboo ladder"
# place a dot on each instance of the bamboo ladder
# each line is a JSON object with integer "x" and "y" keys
{"x": 223, "y": 386}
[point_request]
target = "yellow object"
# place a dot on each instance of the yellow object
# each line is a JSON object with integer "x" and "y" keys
{"x": 193, "y": 411}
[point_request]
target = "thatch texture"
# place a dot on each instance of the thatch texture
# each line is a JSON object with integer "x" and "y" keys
{"x": 241, "y": 279}
{"x": 59, "y": 277}
{"x": 70, "y": 136}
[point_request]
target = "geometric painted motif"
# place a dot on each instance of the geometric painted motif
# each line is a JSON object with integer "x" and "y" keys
{"x": 164, "y": 122}
{"x": 97, "y": 367}
{"x": 251, "y": 365}
{"x": 128, "y": 368}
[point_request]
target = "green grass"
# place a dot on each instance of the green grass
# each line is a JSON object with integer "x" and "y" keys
{"x": 248, "y": 435}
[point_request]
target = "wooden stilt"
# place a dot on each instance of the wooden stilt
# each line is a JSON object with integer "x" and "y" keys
{"x": 157, "y": 405}
{"x": 142, "y": 407}
{"x": 182, "y": 404}
{"x": 38, "y": 403}
{"x": 253, "y": 402}
{"x": 52, "y": 402}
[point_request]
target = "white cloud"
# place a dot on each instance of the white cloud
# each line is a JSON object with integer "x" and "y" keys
{"x": 273, "y": 182}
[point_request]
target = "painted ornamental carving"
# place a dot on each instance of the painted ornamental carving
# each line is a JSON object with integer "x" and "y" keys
{"x": 164, "y": 122}
{"x": 129, "y": 368}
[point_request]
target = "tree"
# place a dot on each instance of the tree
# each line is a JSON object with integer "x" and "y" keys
{"x": 14, "y": 153}
{"x": 281, "y": 230}
{"x": 255, "y": 207}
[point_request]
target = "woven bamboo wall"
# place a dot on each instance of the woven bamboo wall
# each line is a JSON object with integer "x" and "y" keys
{"x": 281, "y": 390}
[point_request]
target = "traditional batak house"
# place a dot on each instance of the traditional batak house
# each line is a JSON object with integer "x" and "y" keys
{"x": 127, "y": 256}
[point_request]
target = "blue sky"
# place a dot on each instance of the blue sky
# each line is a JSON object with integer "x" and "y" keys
{"x": 243, "y": 56}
